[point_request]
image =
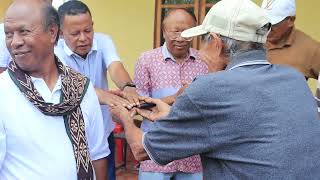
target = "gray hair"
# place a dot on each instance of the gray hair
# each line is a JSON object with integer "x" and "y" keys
{"x": 233, "y": 47}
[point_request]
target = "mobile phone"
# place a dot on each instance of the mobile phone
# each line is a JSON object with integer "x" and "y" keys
{"x": 146, "y": 105}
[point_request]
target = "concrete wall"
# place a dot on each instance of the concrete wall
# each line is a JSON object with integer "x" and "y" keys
{"x": 4, "y": 4}
{"x": 130, "y": 23}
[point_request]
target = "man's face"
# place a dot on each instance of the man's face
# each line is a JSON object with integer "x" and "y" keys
{"x": 27, "y": 41}
{"x": 281, "y": 30}
{"x": 173, "y": 26}
{"x": 77, "y": 31}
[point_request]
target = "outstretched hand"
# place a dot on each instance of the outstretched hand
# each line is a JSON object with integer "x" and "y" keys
{"x": 161, "y": 109}
{"x": 131, "y": 95}
{"x": 112, "y": 98}
{"x": 121, "y": 114}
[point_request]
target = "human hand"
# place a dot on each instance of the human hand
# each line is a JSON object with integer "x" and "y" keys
{"x": 120, "y": 113}
{"x": 161, "y": 109}
{"x": 112, "y": 98}
{"x": 131, "y": 95}
{"x": 171, "y": 99}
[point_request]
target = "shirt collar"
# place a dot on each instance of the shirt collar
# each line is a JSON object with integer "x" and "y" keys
{"x": 168, "y": 56}
{"x": 69, "y": 52}
{"x": 37, "y": 81}
{"x": 286, "y": 42}
{"x": 247, "y": 57}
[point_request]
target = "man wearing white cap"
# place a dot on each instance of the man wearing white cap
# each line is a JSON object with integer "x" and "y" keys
{"x": 288, "y": 45}
{"x": 253, "y": 120}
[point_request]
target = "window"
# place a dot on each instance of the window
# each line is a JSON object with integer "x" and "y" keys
{"x": 199, "y": 7}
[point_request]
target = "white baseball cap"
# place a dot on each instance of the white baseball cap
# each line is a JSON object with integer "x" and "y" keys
{"x": 236, "y": 19}
{"x": 278, "y": 10}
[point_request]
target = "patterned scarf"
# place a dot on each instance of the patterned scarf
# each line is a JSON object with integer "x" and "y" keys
{"x": 74, "y": 87}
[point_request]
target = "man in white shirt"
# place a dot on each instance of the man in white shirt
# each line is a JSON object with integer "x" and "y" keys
{"x": 51, "y": 126}
{"x": 93, "y": 55}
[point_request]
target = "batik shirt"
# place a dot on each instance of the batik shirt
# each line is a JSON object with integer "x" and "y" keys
{"x": 157, "y": 75}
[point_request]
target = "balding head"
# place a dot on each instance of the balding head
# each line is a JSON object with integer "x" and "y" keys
{"x": 42, "y": 10}
{"x": 20, "y": 8}
{"x": 178, "y": 15}
{"x": 31, "y": 28}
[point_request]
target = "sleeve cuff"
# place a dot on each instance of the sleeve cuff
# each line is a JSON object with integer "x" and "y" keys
{"x": 148, "y": 151}
{"x": 100, "y": 155}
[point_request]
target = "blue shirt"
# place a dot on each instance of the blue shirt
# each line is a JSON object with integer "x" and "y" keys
{"x": 255, "y": 121}
{"x": 101, "y": 55}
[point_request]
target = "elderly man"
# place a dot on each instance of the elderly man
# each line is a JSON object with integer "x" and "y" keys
{"x": 160, "y": 73}
{"x": 288, "y": 45}
{"x": 253, "y": 120}
{"x": 5, "y": 55}
{"x": 93, "y": 55}
{"x": 51, "y": 126}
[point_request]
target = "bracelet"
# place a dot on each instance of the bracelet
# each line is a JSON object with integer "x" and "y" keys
{"x": 130, "y": 84}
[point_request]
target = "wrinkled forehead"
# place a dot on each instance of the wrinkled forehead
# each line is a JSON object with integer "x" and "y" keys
{"x": 23, "y": 13}
{"x": 178, "y": 19}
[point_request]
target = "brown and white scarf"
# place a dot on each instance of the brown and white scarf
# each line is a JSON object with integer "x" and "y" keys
{"x": 74, "y": 87}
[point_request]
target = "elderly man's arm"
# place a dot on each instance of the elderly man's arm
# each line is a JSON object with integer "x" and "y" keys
{"x": 121, "y": 77}
{"x": 116, "y": 70}
{"x": 133, "y": 134}
{"x": 100, "y": 167}
{"x": 134, "y": 137}
{"x": 112, "y": 98}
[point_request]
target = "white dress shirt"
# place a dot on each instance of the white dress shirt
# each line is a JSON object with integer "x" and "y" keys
{"x": 35, "y": 146}
{"x": 95, "y": 66}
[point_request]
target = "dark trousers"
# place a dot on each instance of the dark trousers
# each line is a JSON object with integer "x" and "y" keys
{"x": 111, "y": 159}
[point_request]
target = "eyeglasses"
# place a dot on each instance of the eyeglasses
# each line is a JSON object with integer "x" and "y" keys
{"x": 174, "y": 36}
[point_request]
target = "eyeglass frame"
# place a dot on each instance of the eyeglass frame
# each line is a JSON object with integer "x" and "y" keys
{"x": 175, "y": 35}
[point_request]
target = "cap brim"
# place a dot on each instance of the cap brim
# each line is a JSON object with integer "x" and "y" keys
{"x": 275, "y": 19}
{"x": 195, "y": 31}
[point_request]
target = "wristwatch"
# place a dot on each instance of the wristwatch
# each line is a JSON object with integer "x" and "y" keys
{"x": 130, "y": 84}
